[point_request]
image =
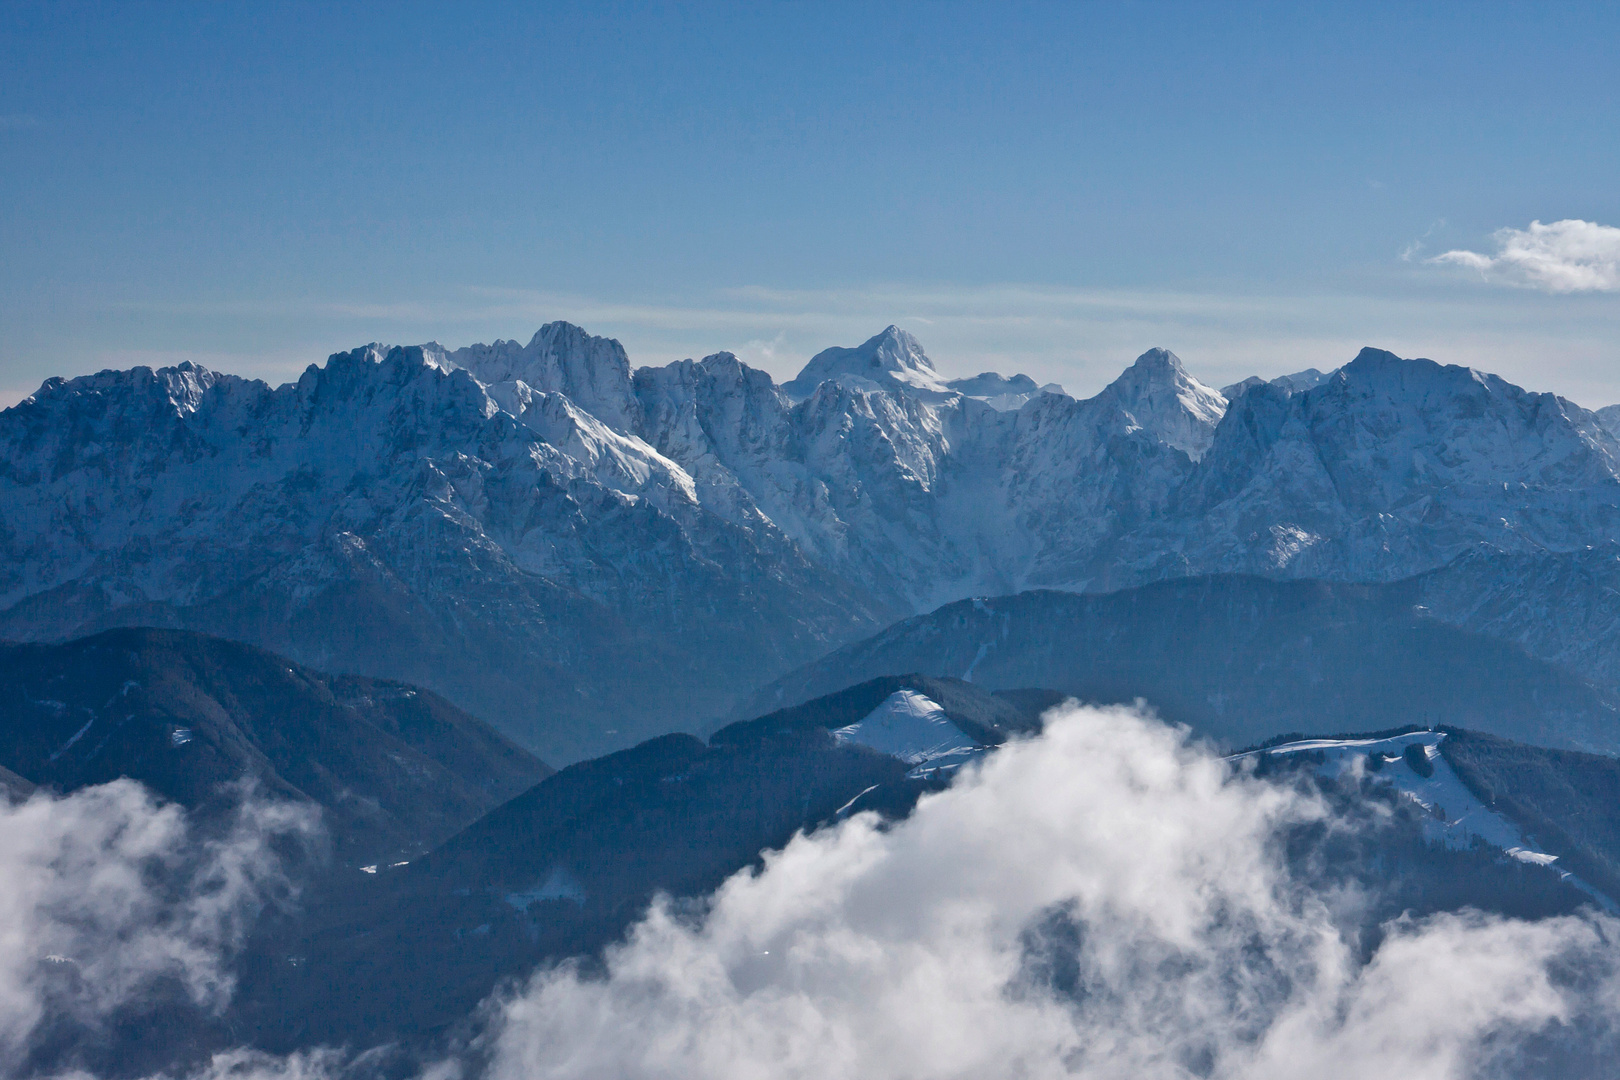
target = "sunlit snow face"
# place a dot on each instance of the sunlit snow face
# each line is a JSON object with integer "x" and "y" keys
{"x": 1104, "y": 902}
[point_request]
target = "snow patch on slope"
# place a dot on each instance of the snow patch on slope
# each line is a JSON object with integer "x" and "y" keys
{"x": 915, "y": 729}
{"x": 1455, "y": 817}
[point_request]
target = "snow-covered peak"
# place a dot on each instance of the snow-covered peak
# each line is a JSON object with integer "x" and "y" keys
{"x": 1609, "y": 418}
{"x": 893, "y": 361}
{"x": 1393, "y": 464}
{"x": 1510, "y": 431}
{"x": 1000, "y": 392}
{"x": 914, "y": 729}
{"x": 1161, "y": 398}
{"x": 560, "y": 358}
{"x": 1297, "y": 383}
{"x": 1419, "y": 388}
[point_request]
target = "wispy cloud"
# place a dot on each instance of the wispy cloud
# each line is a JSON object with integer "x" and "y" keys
{"x": 109, "y": 893}
{"x": 1106, "y": 900}
{"x": 18, "y": 121}
{"x": 1562, "y": 257}
{"x": 1415, "y": 248}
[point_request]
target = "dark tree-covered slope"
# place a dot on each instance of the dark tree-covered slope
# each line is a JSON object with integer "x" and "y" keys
{"x": 1567, "y": 801}
{"x": 1238, "y": 658}
{"x": 565, "y": 867}
{"x": 395, "y": 769}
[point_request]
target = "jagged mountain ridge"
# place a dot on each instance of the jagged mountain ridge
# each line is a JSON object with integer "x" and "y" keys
{"x": 384, "y": 515}
{"x": 1289, "y": 384}
{"x": 1386, "y": 469}
{"x": 560, "y": 543}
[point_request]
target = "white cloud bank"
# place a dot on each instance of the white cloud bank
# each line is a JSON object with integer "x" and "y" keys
{"x": 1103, "y": 902}
{"x": 904, "y": 953}
{"x": 105, "y": 892}
{"x": 1562, "y": 257}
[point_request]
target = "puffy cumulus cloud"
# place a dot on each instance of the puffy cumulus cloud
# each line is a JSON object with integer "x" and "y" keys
{"x": 106, "y": 893}
{"x": 1105, "y": 901}
{"x": 1562, "y": 257}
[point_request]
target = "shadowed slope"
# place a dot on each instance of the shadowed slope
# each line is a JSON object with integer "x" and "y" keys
{"x": 395, "y": 769}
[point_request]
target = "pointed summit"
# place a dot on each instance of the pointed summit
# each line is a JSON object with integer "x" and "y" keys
{"x": 1155, "y": 360}
{"x": 1160, "y": 397}
{"x": 892, "y": 360}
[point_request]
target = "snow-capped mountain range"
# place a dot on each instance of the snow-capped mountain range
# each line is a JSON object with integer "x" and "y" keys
{"x": 584, "y": 553}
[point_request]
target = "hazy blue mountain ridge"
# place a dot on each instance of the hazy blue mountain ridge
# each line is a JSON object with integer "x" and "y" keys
{"x": 586, "y": 555}
{"x": 1238, "y": 658}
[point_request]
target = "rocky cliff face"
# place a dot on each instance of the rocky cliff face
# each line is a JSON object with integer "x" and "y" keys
{"x": 584, "y": 554}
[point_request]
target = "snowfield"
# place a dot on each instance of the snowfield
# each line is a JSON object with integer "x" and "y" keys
{"x": 916, "y": 730}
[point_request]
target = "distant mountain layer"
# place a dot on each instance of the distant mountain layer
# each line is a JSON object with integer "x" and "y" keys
{"x": 395, "y": 769}
{"x": 588, "y": 555}
{"x": 1239, "y": 658}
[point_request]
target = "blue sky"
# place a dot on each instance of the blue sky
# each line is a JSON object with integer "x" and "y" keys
{"x": 1044, "y": 188}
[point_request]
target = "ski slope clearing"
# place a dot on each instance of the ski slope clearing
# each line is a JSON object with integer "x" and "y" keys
{"x": 1411, "y": 763}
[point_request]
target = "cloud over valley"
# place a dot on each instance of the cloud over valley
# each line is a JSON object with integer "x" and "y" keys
{"x": 1107, "y": 900}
